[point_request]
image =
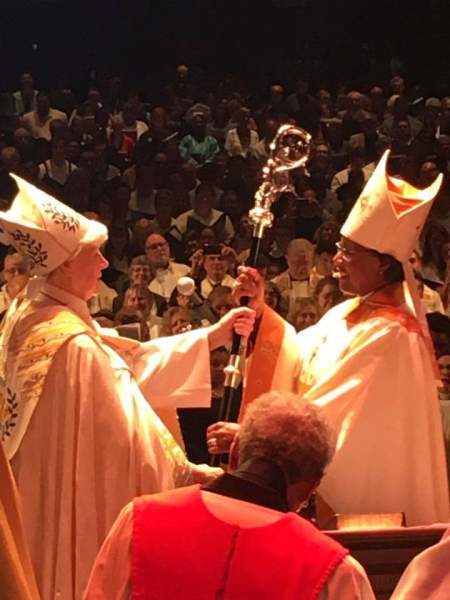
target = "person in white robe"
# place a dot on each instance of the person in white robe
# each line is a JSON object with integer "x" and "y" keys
{"x": 284, "y": 447}
{"x": 368, "y": 363}
{"x": 75, "y": 416}
{"x": 428, "y": 574}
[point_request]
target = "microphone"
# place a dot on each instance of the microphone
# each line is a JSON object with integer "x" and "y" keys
{"x": 186, "y": 286}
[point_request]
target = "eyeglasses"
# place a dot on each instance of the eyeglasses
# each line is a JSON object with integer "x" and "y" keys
{"x": 156, "y": 246}
{"x": 16, "y": 271}
{"x": 347, "y": 254}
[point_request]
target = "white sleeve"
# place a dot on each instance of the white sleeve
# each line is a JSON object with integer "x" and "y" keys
{"x": 110, "y": 576}
{"x": 348, "y": 582}
{"x": 174, "y": 371}
{"x": 427, "y": 575}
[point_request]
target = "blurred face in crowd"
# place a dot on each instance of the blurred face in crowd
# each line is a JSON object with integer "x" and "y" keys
{"x": 376, "y": 93}
{"x": 354, "y": 100}
{"x": 270, "y": 128}
{"x": 397, "y": 85}
{"x": 140, "y": 274}
{"x": 203, "y": 202}
{"x": 243, "y": 118}
{"x": 94, "y": 98}
{"x": 199, "y": 125}
{"x": 428, "y": 173}
{"x": 219, "y": 360}
{"x": 271, "y": 297}
{"x": 310, "y": 196}
{"x": 88, "y": 161}
{"x": 141, "y": 231}
{"x": 300, "y": 259}
{"x": 58, "y": 149}
{"x": 358, "y": 269}
{"x": 324, "y": 263}
{"x": 273, "y": 270}
{"x": 15, "y": 273}
{"x": 10, "y": 158}
{"x": 182, "y": 73}
{"x": 322, "y": 156}
{"x": 416, "y": 262}
{"x": 245, "y": 227}
{"x": 403, "y": 130}
{"x": 139, "y": 297}
{"x": 179, "y": 322}
{"x": 221, "y": 163}
{"x": 328, "y": 232}
{"x": 222, "y": 304}
{"x": 129, "y": 117}
{"x": 444, "y": 369}
{"x": 327, "y": 297}
{"x": 73, "y": 151}
{"x": 43, "y": 105}
{"x": 230, "y": 204}
{"x": 282, "y": 234}
{"x": 306, "y": 316}
{"x": 276, "y": 94}
{"x": 158, "y": 117}
{"x": 157, "y": 251}
{"x": 118, "y": 240}
{"x": 215, "y": 266}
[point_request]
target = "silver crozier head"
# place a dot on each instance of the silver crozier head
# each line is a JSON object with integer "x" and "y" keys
{"x": 289, "y": 150}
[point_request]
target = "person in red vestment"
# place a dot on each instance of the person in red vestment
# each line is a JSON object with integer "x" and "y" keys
{"x": 237, "y": 538}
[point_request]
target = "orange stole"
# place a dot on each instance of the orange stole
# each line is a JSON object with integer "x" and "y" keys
{"x": 364, "y": 312}
{"x": 264, "y": 358}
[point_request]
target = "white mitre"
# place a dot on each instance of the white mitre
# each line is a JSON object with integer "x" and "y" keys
{"x": 389, "y": 214}
{"x": 46, "y": 230}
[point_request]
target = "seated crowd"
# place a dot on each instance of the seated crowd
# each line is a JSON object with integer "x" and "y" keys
{"x": 174, "y": 181}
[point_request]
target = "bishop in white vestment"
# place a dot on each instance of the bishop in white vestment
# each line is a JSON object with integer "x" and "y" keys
{"x": 76, "y": 421}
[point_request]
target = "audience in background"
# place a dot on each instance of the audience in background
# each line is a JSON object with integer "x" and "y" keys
{"x": 173, "y": 179}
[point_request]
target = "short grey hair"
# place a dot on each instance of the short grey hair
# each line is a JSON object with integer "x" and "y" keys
{"x": 140, "y": 261}
{"x": 288, "y": 431}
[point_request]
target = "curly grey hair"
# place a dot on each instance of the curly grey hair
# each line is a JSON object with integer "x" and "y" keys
{"x": 290, "y": 432}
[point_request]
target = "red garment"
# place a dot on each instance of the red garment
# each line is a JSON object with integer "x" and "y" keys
{"x": 126, "y": 146}
{"x": 181, "y": 550}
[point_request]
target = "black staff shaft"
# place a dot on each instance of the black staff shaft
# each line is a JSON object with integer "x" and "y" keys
{"x": 233, "y": 370}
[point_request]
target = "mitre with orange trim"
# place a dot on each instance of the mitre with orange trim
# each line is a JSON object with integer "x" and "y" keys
{"x": 390, "y": 213}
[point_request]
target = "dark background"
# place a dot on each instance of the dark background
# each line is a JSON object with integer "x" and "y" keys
{"x": 260, "y": 41}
